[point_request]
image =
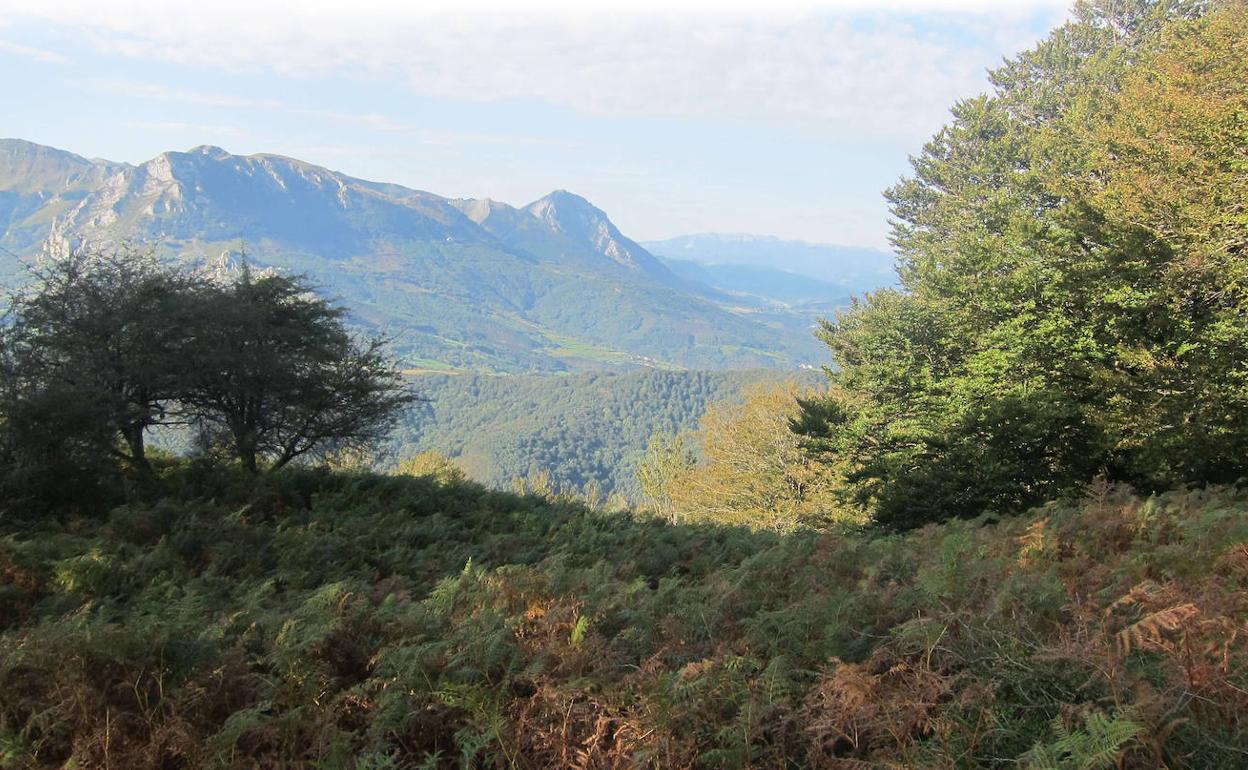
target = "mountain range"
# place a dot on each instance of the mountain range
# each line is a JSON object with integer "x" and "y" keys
{"x": 854, "y": 268}
{"x": 459, "y": 284}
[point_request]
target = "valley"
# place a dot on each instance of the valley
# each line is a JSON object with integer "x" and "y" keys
{"x": 303, "y": 471}
{"x": 580, "y": 429}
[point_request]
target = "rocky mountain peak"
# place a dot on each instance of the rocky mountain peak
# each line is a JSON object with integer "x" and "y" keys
{"x": 209, "y": 150}
{"x": 568, "y": 212}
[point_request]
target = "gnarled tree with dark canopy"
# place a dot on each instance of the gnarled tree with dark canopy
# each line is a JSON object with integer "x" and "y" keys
{"x": 99, "y": 346}
{"x": 280, "y": 376}
{"x": 103, "y": 347}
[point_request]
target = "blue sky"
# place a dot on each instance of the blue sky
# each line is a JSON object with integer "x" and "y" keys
{"x": 784, "y": 118}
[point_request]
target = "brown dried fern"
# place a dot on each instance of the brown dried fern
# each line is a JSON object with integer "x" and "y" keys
{"x": 1033, "y": 543}
{"x": 1151, "y": 631}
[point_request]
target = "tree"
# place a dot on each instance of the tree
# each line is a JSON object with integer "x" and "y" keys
{"x": 104, "y": 337}
{"x": 280, "y": 377}
{"x": 9, "y": 397}
{"x": 667, "y": 462}
{"x": 1163, "y": 175}
{"x": 1060, "y": 313}
{"x": 432, "y": 464}
{"x": 105, "y": 346}
{"x": 749, "y": 468}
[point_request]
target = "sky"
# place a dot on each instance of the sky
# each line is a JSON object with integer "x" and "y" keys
{"x": 782, "y": 118}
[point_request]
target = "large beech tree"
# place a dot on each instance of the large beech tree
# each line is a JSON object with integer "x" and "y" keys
{"x": 1071, "y": 253}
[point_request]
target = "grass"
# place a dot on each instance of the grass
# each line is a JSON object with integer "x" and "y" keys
{"x": 569, "y": 348}
{"x": 417, "y": 366}
{"x": 327, "y": 620}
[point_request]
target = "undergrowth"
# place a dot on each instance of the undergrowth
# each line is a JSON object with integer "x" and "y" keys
{"x": 364, "y": 621}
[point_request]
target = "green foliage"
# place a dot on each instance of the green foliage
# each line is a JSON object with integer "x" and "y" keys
{"x": 317, "y": 619}
{"x": 433, "y": 464}
{"x": 582, "y": 429}
{"x": 90, "y": 359}
{"x": 104, "y": 347}
{"x": 275, "y": 369}
{"x": 669, "y": 459}
{"x": 105, "y": 334}
{"x": 1097, "y": 745}
{"x": 1071, "y": 298}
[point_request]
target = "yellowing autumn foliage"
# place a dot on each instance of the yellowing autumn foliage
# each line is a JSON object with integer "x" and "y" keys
{"x": 743, "y": 466}
{"x": 1173, "y": 144}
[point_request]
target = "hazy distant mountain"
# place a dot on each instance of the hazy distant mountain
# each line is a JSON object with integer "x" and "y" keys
{"x": 856, "y": 268}
{"x": 767, "y": 285}
{"x": 465, "y": 284}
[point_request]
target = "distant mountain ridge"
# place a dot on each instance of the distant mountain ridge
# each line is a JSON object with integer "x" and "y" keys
{"x": 853, "y": 268}
{"x": 766, "y": 285}
{"x": 472, "y": 285}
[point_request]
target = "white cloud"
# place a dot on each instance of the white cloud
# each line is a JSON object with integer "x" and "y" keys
{"x": 165, "y": 94}
{"x": 140, "y": 12}
{"x": 799, "y": 62}
{"x": 368, "y": 120}
{"x": 38, "y": 54}
{"x": 180, "y": 127}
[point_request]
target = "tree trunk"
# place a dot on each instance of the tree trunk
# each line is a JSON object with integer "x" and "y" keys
{"x": 133, "y": 434}
{"x": 247, "y": 454}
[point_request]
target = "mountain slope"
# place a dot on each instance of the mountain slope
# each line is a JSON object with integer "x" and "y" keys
{"x": 355, "y": 620}
{"x": 566, "y": 229}
{"x": 470, "y": 285}
{"x": 37, "y": 185}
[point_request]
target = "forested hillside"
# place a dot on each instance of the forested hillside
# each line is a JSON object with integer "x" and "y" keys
{"x": 583, "y": 430}
{"x": 1006, "y": 528}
